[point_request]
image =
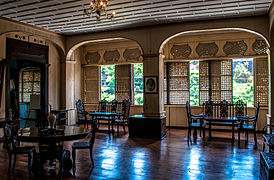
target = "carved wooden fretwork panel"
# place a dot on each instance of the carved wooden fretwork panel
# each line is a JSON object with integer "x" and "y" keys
{"x": 261, "y": 81}
{"x": 92, "y": 57}
{"x": 259, "y": 47}
{"x": 235, "y": 48}
{"x": 207, "y": 49}
{"x": 132, "y": 54}
{"x": 112, "y": 56}
{"x": 20, "y": 36}
{"x": 180, "y": 51}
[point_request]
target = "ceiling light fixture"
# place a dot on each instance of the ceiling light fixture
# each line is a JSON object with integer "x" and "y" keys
{"x": 99, "y": 7}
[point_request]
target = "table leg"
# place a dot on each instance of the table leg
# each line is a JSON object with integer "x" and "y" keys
{"x": 209, "y": 133}
{"x": 233, "y": 138}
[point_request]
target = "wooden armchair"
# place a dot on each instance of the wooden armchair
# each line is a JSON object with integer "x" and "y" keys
{"x": 247, "y": 124}
{"x": 268, "y": 137}
{"x": 82, "y": 115}
{"x": 194, "y": 121}
{"x": 123, "y": 119}
{"x": 13, "y": 148}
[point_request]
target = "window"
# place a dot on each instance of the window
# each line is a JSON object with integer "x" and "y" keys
{"x": 194, "y": 82}
{"x": 29, "y": 83}
{"x": 230, "y": 80}
{"x": 138, "y": 84}
{"x": 243, "y": 80}
{"x": 108, "y": 82}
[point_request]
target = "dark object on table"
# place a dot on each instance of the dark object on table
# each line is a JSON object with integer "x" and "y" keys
{"x": 51, "y": 148}
{"x": 140, "y": 126}
{"x": 247, "y": 124}
{"x": 82, "y": 114}
{"x": 194, "y": 121}
{"x": 12, "y": 148}
{"x": 266, "y": 166}
{"x": 123, "y": 120}
{"x": 84, "y": 145}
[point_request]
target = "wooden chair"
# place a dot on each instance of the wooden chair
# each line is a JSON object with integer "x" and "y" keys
{"x": 208, "y": 108}
{"x": 51, "y": 147}
{"x": 247, "y": 124}
{"x": 224, "y": 108}
{"x": 13, "y": 149}
{"x": 102, "y": 107}
{"x": 84, "y": 145}
{"x": 123, "y": 119}
{"x": 82, "y": 114}
{"x": 240, "y": 108}
{"x": 194, "y": 121}
{"x": 268, "y": 137}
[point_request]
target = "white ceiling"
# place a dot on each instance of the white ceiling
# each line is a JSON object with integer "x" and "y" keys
{"x": 67, "y": 17}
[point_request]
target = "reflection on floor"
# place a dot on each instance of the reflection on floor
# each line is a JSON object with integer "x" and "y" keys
{"x": 118, "y": 157}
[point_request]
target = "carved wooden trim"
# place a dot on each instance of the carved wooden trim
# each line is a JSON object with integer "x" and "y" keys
{"x": 132, "y": 54}
{"x": 180, "y": 51}
{"x": 92, "y": 57}
{"x": 112, "y": 56}
{"x": 259, "y": 47}
{"x": 207, "y": 49}
{"x": 235, "y": 48}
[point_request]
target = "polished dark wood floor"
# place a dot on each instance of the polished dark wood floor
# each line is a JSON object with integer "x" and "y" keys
{"x": 118, "y": 157}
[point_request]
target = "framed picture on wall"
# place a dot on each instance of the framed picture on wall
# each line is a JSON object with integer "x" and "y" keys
{"x": 151, "y": 84}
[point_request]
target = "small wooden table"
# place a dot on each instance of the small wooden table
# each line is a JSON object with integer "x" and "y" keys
{"x": 109, "y": 116}
{"x": 221, "y": 121}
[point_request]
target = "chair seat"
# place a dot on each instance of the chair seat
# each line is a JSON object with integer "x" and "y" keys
{"x": 245, "y": 126}
{"x": 81, "y": 145}
{"x": 197, "y": 125}
{"x": 24, "y": 150}
{"x": 119, "y": 120}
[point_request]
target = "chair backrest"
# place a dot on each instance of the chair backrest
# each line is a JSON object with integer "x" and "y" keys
{"x": 208, "y": 108}
{"x": 126, "y": 108}
{"x": 188, "y": 111}
{"x": 92, "y": 138}
{"x": 10, "y": 137}
{"x": 51, "y": 141}
{"x": 240, "y": 108}
{"x": 102, "y": 106}
{"x": 80, "y": 107}
{"x": 113, "y": 105}
{"x": 224, "y": 108}
{"x": 256, "y": 113}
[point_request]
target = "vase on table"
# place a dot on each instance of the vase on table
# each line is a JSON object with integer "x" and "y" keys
{"x": 51, "y": 120}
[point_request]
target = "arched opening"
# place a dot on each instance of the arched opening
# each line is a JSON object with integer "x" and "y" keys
{"x": 217, "y": 65}
{"x": 105, "y": 69}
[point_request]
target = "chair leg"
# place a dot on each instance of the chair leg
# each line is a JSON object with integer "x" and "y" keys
{"x": 14, "y": 162}
{"x": 118, "y": 128}
{"x": 124, "y": 128}
{"x": 73, "y": 162}
{"x": 189, "y": 136}
{"x": 255, "y": 138}
{"x": 246, "y": 142}
{"x": 30, "y": 164}
{"x": 91, "y": 156}
{"x": 203, "y": 133}
{"x": 239, "y": 137}
{"x": 10, "y": 161}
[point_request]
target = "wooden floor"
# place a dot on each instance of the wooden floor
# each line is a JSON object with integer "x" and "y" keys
{"x": 118, "y": 157}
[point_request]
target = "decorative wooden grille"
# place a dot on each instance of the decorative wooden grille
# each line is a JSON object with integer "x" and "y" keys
{"x": 203, "y": 82}
{"x": 261, "y": 81}
{"x": 91, "y": 84}
{"x": 165, "y": 83}
{"x": 123, "y": 82}
{"x": 178, "y": 82}
{"x": 216, "y": 80}
{"x": 226, "y": 80}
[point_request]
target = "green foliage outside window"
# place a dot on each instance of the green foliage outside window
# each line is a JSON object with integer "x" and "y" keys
{"x": 243, "y": 81}
{"x": 194, "y": 82}
{"x": 138, "y": 84}
{"x": 108, "y": 82}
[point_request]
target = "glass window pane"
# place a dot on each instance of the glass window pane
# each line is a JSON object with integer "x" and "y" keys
{"x": 36, "y": 76}
{"x": 27, "y": 86}
{"x": 138, "y": 84}
{"x": 243, "y": 81}
{"x": 108, "y": 82}
{"x": 36, "y": 86}
{"x": 27, "y": 76}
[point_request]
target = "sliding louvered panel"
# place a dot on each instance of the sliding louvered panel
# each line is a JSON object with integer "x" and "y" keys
{"x": 91, "y": 84}
{"x": 216, "y": 80}
{"x": 261, "y": 81}
{"x": 123, "y": 82}
{"x": 226, "y": 80}
{"x": 178, "y": 82}
{"x": 203, "y": 82}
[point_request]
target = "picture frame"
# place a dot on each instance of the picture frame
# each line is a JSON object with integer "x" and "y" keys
{"x": 151, "y": 84}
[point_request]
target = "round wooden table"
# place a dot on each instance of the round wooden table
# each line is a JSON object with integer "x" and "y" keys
{"x": 70, "y": 133}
